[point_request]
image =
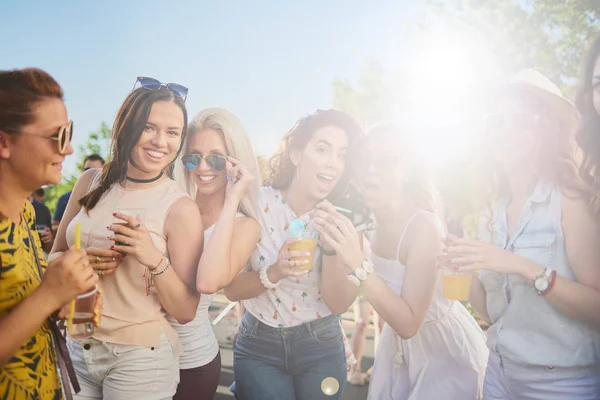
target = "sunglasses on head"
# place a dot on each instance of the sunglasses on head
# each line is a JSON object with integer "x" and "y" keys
{"x": 62, "y": 137}
{"x": 381, "y": 162}
{"x": 216, "y": 162}
{"x": 519, "y": 121}
{"x": 154, "y": 84}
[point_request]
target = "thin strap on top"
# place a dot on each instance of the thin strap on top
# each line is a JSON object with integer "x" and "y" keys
{"x": 404, "y": 233}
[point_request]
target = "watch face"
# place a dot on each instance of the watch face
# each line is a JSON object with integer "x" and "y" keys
{"x": 367, "y": 266}
{"x": 360, "y": 273}
{"x": 541, "y": 284}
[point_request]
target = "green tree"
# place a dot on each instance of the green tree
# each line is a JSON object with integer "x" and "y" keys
{"x": 548, "y": 35}
{"x": 98, "y": 143}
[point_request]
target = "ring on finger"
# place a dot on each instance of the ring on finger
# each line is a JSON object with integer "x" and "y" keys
{"x": 138, "y": 225}
{"x": 114, "y": 259}
{"x": 98, "y": 260}
{"x": 100, "y": 272}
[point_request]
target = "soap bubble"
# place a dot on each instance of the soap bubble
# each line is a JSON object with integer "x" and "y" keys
{"x": 330, "y": 386}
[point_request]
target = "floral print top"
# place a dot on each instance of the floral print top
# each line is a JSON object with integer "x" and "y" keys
{"x": 297, "y": 299}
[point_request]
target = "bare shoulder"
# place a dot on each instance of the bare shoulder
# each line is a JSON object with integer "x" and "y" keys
{"x": 83, "y": 183}
{"x": 183, "y": 211}
{"x": 423, "y": 236}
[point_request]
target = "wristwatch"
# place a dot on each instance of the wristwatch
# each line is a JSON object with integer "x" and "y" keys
{"x": 543, "y": 282}
{"x": 367, "y": 265}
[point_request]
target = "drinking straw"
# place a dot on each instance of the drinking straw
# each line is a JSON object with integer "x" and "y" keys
{"x": 72, "y": 305}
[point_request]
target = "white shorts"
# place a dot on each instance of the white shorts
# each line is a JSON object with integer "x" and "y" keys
{"x": 123, "y": 372}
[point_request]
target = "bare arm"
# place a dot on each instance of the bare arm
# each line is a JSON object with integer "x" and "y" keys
{"x": 406, "y": 313}
{"x": 227, "y": 250}
{"x": 176, "y": 287}
{"x": 19, "y": 325}
{"x": 337, "y": 292}
{"x": 73, "y": 207}
{"x": 579, "y": 299}
{"x": 478, "y": 299}
{"x": 246, "y": 285}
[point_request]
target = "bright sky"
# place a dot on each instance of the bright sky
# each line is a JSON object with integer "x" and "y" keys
{"x": 269, "y": 62}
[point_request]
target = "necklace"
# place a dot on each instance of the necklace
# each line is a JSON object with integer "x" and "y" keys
{"x": 130, "y": 179}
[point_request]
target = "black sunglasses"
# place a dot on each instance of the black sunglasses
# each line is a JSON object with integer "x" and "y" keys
{"x": 216, "y": 162}
{"x": 154, "y": 84}
{"x": 63, "y": 136}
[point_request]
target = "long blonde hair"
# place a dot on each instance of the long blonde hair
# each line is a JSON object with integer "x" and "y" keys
{"x": 238, "y": 145}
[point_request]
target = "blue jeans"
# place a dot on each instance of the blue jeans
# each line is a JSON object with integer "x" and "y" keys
{"x": 289, "y": 363}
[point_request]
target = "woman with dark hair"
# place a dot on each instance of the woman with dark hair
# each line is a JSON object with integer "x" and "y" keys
{"x": 539, "y": 285}
{"x": 33, "y": 120}
{"x": 143, "y": 236}
{"x": 588, "y": 135}
{"x": 290, "y": 343}
{"x": 430, "y": 347}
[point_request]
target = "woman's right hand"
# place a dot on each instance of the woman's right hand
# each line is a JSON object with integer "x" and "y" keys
{"x": 285, "y": 266}
{"x": 104, "y": 262}
{"x": 67, "y": 276}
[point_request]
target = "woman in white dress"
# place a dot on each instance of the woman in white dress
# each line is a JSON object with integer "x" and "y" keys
{"x": 430, "y": 347}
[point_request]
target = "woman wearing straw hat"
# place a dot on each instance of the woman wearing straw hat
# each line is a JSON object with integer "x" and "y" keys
{"x": 539, "y": 285}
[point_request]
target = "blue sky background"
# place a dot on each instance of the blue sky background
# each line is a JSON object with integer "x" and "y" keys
{"x": 269, "y": 62}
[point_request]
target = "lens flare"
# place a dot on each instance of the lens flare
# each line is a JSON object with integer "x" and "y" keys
{"x": 330, "y": 386}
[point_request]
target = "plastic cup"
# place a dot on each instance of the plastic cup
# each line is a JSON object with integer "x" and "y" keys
{"x": 83, "y": 319}
{"x": 456, "y": 285}
{"x": 308, "y": 243}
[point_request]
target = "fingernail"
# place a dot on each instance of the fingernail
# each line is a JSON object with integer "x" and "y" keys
{"x": 305, "y": 262}
{"x": 112, "y": 247}
{"x": 114, "y": 214}
{"x": 307, "y": 253}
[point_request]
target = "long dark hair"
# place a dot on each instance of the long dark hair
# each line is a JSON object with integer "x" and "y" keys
{"x": 588, "y": 134}
{"x": 127, "y": 129}
{"x": 281, "y": 166}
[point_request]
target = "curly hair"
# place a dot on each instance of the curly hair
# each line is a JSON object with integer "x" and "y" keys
{"x": 281, "y": 166}
{"x": 588, "y": 134}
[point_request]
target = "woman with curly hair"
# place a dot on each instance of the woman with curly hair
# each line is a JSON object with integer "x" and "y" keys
{"x": 290, "y": 339}
{"x": 540, "y": 283}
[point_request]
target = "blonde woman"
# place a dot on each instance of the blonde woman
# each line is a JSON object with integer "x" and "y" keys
{"x": 217, "y": 168}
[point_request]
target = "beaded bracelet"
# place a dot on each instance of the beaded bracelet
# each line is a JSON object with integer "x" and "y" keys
{"x": 264, "y": 279}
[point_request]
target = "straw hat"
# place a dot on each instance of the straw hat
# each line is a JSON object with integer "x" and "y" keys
{"x": 564, "y": 111}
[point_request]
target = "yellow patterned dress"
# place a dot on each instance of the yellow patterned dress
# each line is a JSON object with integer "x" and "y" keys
{"x": 32, "y": 372}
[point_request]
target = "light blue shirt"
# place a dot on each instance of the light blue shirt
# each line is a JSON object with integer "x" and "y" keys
{"x": 526, "y": 328}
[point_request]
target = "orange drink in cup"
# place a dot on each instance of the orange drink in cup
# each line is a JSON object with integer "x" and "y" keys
{"x": 308, "y": 243}
{"x": 456, "y": 285}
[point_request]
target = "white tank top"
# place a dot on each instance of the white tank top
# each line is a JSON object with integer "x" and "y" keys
{"x": 199, "y": 345}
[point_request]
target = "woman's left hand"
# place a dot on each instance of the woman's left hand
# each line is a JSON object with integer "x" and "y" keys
{"x": 471, "y": 255}
{"x": 337, "y": 232}
{"x": 136, "y": 241}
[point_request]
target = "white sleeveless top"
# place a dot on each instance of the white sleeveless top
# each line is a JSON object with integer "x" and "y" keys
{"x": 445, "y": 360}
{"x": 199, "y": 345}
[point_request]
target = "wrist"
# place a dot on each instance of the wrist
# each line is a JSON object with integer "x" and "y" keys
{"x": 157, "y": 260}
{"x": 45, "y": 300}
{"x": 529, "y": 270}
{"x": 265, "y": 280}
{"x": 272, "y": 275}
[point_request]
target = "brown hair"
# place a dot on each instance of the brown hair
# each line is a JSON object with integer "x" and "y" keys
{"x": 127, "y": 129}
{"x": 588, "y": 134}
{"x": 21, "y": 90}
{"x": 281, "y": 166}
{"x": 559, "y": 161}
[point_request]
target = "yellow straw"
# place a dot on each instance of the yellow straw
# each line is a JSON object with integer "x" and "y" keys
{"x": 72, "y": 306}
